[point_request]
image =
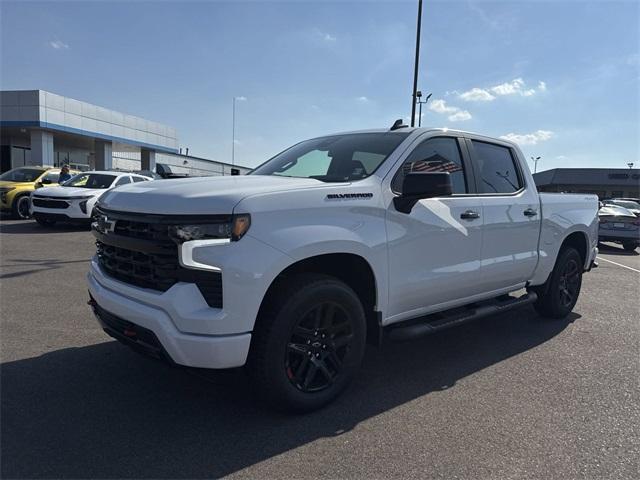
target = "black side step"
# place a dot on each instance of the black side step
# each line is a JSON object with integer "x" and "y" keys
{"x": 450, "y": 318}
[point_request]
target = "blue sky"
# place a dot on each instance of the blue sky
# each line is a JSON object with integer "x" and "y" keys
{"x": 561, "y": 78}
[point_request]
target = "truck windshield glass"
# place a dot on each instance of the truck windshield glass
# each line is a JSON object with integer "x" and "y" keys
{"x": 338, "y": 158}
{"x": 90, "y": 180}
{"x": 21, "y": 175}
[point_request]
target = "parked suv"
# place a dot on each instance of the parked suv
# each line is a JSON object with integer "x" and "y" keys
{"x": 17, "y": 184}
{"x": 334, "y": 242}
{"x": 74, "y": 200}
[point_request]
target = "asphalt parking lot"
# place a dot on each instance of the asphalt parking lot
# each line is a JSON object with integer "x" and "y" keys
{"x": 510, "y": 396}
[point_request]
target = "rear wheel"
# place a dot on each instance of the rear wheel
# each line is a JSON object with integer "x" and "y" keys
{"x": 630, "y": 246}
{"x": 308, "y": 343}
{"x": 21, "y": 207}
{"x": 558, "y": 296}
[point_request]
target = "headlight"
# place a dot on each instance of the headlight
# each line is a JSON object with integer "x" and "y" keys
{"x": 3, "y": 193}
{"x": 234, "y": 230}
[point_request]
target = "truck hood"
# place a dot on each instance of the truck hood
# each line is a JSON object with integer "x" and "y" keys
{"x": 65, "y": 192}
{"x": 199, "y": 196}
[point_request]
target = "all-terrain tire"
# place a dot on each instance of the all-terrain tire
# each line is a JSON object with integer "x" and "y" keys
{"x": 308, "y": 342}
{"x": 558, "y": 296}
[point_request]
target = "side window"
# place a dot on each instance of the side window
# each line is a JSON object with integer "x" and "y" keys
{"x": 497, "y": 169}
{"x": 139, "y": 179}
{"x": 51, "y": 178}
{"x": 122, "y": 181}
{"x": 440, "y": 154}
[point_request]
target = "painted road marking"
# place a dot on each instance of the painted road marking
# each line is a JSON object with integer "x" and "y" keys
{"x": 619, "y": 264}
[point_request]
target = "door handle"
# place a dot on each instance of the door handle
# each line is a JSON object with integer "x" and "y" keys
{"x": 530, "y": 212}
{"x": 469, "y": 215}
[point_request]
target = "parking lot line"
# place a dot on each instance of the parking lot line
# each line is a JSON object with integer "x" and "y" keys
{"x": 619, "y": 264}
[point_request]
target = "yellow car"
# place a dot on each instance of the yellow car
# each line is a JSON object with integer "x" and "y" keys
{"x": 17, "y": 184}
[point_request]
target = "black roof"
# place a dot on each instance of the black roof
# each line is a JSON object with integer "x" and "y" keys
{"x": 589, "y": 176}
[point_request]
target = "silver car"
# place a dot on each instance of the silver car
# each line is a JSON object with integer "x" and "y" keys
{"x": 619, "y": 225}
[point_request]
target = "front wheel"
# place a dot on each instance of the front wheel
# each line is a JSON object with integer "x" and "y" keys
{"x": 629, "y": 246}
{"x": 308, "y": 343}
{"x": 21, "y": 207}
{"x": 558, "y": 296}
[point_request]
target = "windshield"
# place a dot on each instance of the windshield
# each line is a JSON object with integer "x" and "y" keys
{"x": 625, "y": 204}
{"x": 90, "y": 180}
{"x": 338, "y": 158}
{"x": 22, "y": 175}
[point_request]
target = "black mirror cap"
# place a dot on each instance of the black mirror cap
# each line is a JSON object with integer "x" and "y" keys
{"x": 419, "y": 185}
{"x": 44, "y": 181}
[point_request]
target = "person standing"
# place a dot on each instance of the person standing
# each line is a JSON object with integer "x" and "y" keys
{"x": 64, "y": 174}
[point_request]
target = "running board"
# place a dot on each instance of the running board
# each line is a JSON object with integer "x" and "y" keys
{"x": 427, "y": 324}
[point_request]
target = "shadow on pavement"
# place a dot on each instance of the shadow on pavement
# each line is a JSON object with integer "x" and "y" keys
{"x": 103, "y": 411}
{"x": 31, "y": 226}
{"x": 614, "y": 249}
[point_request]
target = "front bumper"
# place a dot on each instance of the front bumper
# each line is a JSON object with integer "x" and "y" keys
{"x": 188, "y": 349}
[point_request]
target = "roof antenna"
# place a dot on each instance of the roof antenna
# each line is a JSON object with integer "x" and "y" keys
{"x": 398, "y": 124}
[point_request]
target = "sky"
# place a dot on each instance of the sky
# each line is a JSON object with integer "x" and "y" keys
{"x": 560, "y": 78}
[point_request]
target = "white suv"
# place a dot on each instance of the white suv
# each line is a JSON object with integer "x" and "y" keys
{"x": 73, "y": 201}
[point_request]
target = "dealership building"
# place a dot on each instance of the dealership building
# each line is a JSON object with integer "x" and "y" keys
{"x": 43, "y": 128}
{"x": 604, "y": 182}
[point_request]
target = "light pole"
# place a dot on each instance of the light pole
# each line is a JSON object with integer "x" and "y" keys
{"x": 535, "y": 163}
{"x": 415, "y": 66}
{"x": 233, "y": 129}
{"x": 420, "y": 102}
{"x": 630, "y": 165}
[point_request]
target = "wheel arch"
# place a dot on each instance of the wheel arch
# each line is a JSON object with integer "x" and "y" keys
{"x": 580, "y": 241}
{"x": 350, "y": 268}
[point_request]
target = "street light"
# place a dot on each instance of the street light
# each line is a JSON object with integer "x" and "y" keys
{"x": 630, "y": 165}
{"x": 535, "y": 163}
{"x": 420, "y": 102}
{"x": 415, "y": 66}
{"x": 233, "y": 129}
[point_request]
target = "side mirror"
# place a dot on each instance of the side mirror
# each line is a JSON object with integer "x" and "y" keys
{"x": 419, "y": 185}
{"x": 45, "y": 181}
{"x": 38, "y": 184}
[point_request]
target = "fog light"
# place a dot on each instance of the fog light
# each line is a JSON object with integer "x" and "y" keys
{"x": 83, "y": 206}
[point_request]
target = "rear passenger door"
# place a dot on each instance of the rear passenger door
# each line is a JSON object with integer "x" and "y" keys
{"x": 511, "y": 212}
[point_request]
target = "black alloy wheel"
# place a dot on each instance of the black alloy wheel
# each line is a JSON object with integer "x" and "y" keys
{"x": 319, "y": 342}
{"x": 21, "y": 208}
{"x": 569, "y": 283}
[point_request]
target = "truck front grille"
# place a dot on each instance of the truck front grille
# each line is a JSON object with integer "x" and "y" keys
{"x": 141, "y": 253}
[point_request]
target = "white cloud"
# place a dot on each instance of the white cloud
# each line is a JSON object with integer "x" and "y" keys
{"x": 58, "y": 45}
{"x": 529, "y": 138}
{"x": 516, "y": 86}
{"x": 363, "y": 99}
{"x": 323, "y": 37}
{"x": 476, "y": 95}
{"x": 241, "y": 99}
{"x": 508, "y": 88}
{"x": 460, "y": 116}
{"x": 455, "y": 114}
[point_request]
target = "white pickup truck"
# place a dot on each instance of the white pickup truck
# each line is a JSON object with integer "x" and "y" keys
{"x": 335, "y": 242}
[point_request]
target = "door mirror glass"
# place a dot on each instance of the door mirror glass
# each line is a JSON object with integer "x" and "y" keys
{"x": 419, "y": 185}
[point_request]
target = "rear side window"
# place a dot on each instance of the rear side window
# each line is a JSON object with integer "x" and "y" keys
{"x": 497, "y": 168}
{"x": 123, "y": 181}
{"x": 139, "y": 179}
{"x": 440, "y": 154}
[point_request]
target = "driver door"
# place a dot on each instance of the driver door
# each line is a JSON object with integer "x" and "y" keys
{"x": 435, "y": 250}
